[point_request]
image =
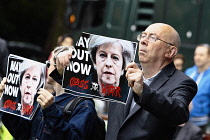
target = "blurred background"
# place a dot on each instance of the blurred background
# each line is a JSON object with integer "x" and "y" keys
{"x": 31, "y": 27}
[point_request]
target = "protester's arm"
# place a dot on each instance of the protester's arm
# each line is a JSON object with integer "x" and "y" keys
{"x": 80, "y": 126}
{"x": 56, "y": 76}
{"x": 171, "y": 109}
{"x": 170, "y": 103}
{"x": 63, "y": 60}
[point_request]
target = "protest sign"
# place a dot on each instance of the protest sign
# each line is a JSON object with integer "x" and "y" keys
{"x": 97, "y": 68}
{"x": 24, "y": 78}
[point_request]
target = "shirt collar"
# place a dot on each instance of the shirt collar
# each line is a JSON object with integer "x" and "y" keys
{"x": 148, "y": 81}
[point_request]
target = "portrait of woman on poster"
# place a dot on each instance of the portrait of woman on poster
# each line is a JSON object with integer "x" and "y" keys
{"x": 110, "y": 57}
{"x": 31, "y": 79}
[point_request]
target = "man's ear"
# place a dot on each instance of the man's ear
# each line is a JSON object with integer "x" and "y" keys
{"x": 172, "y": 51}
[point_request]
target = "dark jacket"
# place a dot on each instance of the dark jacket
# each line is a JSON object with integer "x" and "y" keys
{"x": 162, "y": 106}
{"x": 49, "y": 123}
{"x": 189, "y": 132}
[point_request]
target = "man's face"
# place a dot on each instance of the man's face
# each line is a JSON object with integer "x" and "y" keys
{"x": 153, "y": 52}
{"x": 109, "y": 63}
{"x": 29, "y": 84}
{"x": 201, "y": 57}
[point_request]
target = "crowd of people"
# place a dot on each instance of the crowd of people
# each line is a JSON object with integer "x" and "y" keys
{"x": 165, "y": 102}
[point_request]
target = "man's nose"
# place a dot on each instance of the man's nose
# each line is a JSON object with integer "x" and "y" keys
{"x": 144, "y": 41}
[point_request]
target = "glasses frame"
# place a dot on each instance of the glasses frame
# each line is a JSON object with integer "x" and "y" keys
{"x": 48, "y": 63}
{"x": 156, "y": 38}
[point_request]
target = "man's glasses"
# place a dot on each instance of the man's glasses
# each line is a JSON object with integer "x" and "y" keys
{"x": 48, "y": 63}
{"x": 151, "y": 38}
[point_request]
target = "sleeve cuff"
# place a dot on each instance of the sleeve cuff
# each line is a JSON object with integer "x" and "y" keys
{"x": 139, "y": 99}
{"x": 56, "y": 76}
{"x": 49, "y": 110}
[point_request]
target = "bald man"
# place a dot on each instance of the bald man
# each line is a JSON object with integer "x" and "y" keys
{"x": 160, "y": 94}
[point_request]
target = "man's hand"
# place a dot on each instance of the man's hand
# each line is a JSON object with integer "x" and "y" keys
{"x": 2, "y": 85}
{"x": 45, "y": 98}
{"x": 135, "y": 78}
{"x": 62, "y": 60}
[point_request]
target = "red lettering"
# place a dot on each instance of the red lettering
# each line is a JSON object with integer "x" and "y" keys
{"x": 10, "y": 104}
{"x": 103, "y": 90}
{"x": 76, "y": 82}
{"x": 110, "y": 90}
{"x": 27, "y": 109}
{"x": 83, "y": 84}
{"x": 117, "y": 92}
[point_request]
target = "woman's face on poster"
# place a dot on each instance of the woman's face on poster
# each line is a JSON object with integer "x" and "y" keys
{"x": 29, "y": 84}
{"x": 109, "y": 62}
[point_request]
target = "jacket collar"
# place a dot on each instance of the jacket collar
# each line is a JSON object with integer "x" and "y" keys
{"x": 164, "y": 75}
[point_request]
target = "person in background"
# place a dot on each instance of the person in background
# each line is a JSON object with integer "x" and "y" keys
{"x": 4, "y": 53}
{"x": 49, "y": 122}
{"x": 200, "y": 73}
{"x": 188, "y": 130}
{"x": 179, "y": 61}
{"x": 65, "y": 40}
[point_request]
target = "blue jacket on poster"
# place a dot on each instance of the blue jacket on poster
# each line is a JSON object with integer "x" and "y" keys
{"x": 49, "y": 123}
{"x": 201, "y": 101}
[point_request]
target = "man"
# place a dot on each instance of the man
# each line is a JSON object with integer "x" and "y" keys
{"x": 160, "y": 94}
{"x": 200, "y": 73}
